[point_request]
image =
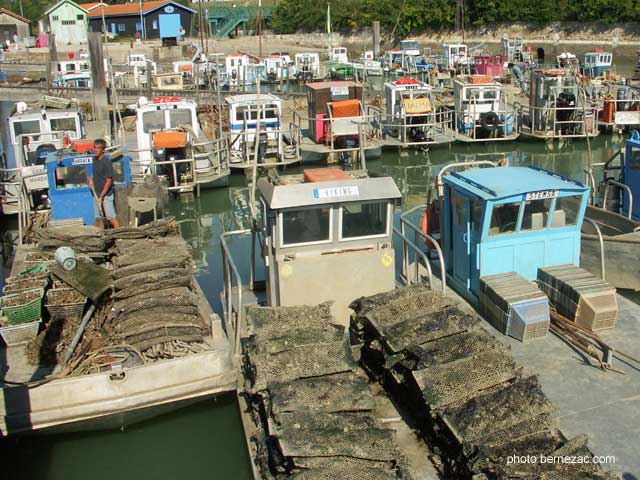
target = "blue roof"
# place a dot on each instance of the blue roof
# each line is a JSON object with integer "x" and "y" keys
{"x": 501, "y": 182}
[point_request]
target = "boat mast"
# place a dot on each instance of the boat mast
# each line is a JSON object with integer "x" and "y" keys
{"x": 260, "y": 28}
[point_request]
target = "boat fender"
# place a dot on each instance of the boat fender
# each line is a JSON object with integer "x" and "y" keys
{"x": 489, "y": 121}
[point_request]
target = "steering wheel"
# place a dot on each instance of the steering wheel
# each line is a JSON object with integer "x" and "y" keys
{"x": 509, "y": 226}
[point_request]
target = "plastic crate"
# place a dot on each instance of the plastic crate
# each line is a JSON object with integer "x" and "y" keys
{"x": 27, "y": 312}
{"x": 20, "y": 285}
{"x": 69, "y": 311}
{"x": 35, "y": 272}
{"x": 15, "y": 334}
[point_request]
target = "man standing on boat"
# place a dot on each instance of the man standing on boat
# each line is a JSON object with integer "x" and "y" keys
{"x": 101, "y": 183}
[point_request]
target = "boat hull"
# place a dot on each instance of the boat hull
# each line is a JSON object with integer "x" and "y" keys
{"x": 111, "y": 399}
{"x": 621, "y": 248}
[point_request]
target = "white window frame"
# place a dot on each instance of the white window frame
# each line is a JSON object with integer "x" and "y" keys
{"x": 382, "y": 235}
{"x": 304, "y": 244}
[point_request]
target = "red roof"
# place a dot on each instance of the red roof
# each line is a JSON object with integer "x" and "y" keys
{"x": 89, "y": 6}
{"x": 14, "y": 15}
{"x": 130, "y": 8}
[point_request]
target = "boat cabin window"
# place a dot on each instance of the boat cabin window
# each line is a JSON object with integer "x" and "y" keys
{"x": 536, "y": 214}
{"x": 118, "y": 172}
{"x": 504, "y": 218}
{"x": 309, "y": 225}
{"x": 153, "y": 120}
{"x": 63, "y": 124}
{"x": 26, "y": 127}
{"x": 473, "y": 93}
{"x": 359, "y": 220}
{"x": 70, "y": 177}
{"x": 490, "y": 94}
{"x": 179, "y": 116}
{"x": 566, "y": 211}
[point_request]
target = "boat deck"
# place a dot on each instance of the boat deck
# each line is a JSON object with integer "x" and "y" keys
{"x": 605, "y": 405}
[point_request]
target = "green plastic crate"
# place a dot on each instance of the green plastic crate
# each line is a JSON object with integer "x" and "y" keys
{"x": 28, "y": 312}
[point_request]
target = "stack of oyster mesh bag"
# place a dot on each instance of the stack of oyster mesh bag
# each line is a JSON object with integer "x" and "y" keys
{"x": 467, "y": 396}
{"x": 310, "y": 403}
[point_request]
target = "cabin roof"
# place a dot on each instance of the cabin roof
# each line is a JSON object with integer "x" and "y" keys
{"x": 252, "y": 97}
{"x": 323, "y": 193}
{"x": 502, "y": 182}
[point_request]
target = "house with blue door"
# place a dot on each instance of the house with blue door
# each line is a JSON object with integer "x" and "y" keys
{"x": 161, "y": 19}
{"x": 68, "y": 21}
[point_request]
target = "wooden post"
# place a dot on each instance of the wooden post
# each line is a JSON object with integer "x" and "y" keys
{"x": 98, "y": 76}
{"x": 52, "y": 71}
{"x": 375, "y": 26}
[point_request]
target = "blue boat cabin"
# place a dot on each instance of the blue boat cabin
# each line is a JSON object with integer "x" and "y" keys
{"x": 631, "y": 175}
{"x": 68, "y": 176}
{"x": 509, "y": 219}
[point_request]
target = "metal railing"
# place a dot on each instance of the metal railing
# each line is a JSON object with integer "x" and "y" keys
{"x": 544, "y": 121}
{"x": 245, "y": 139}
{"x": 601, "y": 241}
{"x": 405, "y": 268}
{"x": 12, "y": 190}
{"x": 611, "y": 181}
{"x": 443, "y": 170}
{"x": 507, "y": 127}
{"x": 405, "y": 222}
{"x": 437, "y": 122}
{"x": 233, "y": 318}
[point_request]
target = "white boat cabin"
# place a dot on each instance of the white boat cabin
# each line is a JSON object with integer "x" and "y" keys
{"x": 515, "y": 50}
{"x": 74, "y": 80}
{"x": 481, "y": 111}
{"x": 243, "y": 123}
{"x": 161, "y": 114}
{"x": 136, "y": 59}
{"x": 74, "y": 66}
{"x": 596, "y": 63}
{"x": 277, "y": 66}
{"x": 308, "y": 64}
{"x": 568, "y": 60}
{"x": 339, "y": 54}
{"x": 35, "y": 133}
{"x": 243, "y": 69}
{"x": 400, "y": 61}
{"x": 455, "y": 55}
{"x": 410, "y": 47}
{"x": 410, "y": 110}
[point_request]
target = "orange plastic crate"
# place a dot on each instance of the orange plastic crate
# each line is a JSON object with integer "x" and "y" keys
{"x": 325, "y": 175}
{"x": 82, "y": 146}
{"x": 346, "y": 108}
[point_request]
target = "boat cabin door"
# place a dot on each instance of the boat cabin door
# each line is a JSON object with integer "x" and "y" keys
{"x": 632, "y": 176}
{"x": 466, "y": 227}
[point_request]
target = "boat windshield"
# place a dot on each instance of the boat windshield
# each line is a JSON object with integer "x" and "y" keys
{"x": 310, "y": 225}
{"x": 153, "y": 120}
{"x": 364, "y": 220}
{"x": 71, "y": 177}
{"x": 180, "y": 116}
{"x": 63, "y": 124}
{"x": 504, "y": 218}
{"x": 566, "y": 211}
{"x": 536, "y": 214}
{"x": 25, "y": 127}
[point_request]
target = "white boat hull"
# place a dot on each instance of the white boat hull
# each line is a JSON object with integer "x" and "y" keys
{"x": 67, "y": 402}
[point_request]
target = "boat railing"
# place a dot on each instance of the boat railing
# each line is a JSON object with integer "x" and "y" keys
{"x": 283, "y": 142}
{"x": 234, "y": 316}
{"x": 143, "y": 168}
{"x": 507, "y": 127}
{"x": 437, "y": 122}
{"x": 216, "y": 153}
{"x": 418, "y": 235}
{"x": 544, "y": 121}
{"x": 407, "y": 245}
{"x": 376, "y": 115}
{"x": 12, "y": 190}
{"x": 443, "y": 171}
{"x": 626, "y": 188}
{"x": 601, "y": 241}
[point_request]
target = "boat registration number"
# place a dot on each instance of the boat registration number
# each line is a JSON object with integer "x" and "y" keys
{"x": 541, "y": 195}
{"x": 82, "y": 161}
{"x": 333, "y": 192}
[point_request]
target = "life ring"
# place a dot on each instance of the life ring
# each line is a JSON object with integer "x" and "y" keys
{"x": 489, "y": 121}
